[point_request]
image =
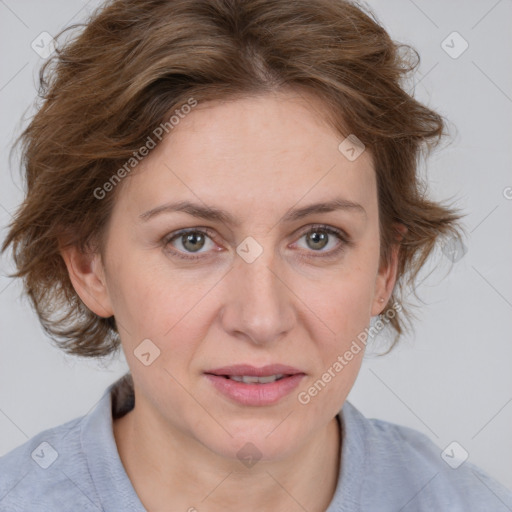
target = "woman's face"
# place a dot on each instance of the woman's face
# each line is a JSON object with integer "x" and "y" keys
{"x": 261, "y": 285}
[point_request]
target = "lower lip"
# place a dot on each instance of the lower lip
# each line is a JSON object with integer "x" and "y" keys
{"x": 255, "y": 394}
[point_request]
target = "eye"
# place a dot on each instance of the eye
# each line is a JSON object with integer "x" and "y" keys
{"x": 195, "y": 243}
{"x": 326, "y": 240}
{"x": 188, "y": 242}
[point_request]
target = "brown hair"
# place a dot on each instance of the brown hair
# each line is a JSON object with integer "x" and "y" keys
{"x": 135, "y": 61}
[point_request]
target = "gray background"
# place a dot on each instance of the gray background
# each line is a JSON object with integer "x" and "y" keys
{"x": 452, "y": 380}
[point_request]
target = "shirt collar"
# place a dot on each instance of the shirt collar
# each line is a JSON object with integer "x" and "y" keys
{"x": 106, "y": 469}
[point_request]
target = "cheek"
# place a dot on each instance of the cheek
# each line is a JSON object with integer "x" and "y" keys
{"x": 152, "y": 300}
{"x": 138, "y": 285}
{"x": 324, "y": 393}
{"x": 342, "y": 301}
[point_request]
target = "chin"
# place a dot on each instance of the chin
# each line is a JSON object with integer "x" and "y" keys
{"x": 268, "y": 440}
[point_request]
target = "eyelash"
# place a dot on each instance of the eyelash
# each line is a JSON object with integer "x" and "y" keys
{"x": 341, "y": 235}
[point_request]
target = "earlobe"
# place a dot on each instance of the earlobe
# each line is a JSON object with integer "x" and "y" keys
{"x": 88, "y": 279}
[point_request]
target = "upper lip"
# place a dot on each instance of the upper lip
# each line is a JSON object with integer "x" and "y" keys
{"x": 247, "y": 369}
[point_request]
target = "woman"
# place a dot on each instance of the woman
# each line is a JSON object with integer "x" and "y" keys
{"x": 274, "y": 136}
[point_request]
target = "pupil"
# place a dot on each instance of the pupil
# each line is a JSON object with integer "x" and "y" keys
{"x": 193, "y": 238}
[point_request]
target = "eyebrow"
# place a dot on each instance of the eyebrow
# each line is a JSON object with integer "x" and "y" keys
{"x": 216, "y": 214}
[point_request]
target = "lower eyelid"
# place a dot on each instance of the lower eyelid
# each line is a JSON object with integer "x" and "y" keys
{"x": 305, "y": 253}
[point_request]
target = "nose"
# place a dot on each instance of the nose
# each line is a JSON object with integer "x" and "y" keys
{"x": 259, "y": 305}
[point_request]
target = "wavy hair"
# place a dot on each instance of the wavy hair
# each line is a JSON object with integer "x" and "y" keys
{"x": 117, "y": 78}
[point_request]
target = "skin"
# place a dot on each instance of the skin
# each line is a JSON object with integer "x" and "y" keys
{"x": 257, "y": 158}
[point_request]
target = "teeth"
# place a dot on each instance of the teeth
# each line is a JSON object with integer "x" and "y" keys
{"x": 250, "y": 379}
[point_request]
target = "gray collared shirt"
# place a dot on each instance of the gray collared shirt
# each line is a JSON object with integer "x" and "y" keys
{"x": 383, "y": 468}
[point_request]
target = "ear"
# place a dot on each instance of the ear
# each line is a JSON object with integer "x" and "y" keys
{"x": 87, "y": 275}
{"x": 386, "y": 276}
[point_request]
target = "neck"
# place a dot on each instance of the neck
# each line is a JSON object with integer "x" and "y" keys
{"x": 166, "y": 466}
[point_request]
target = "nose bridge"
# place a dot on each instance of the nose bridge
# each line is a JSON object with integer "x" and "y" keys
{"x": 259, "y": 304}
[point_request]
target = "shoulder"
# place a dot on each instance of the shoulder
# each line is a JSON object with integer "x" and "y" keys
{"x": 416, "y": 474}
{"x": 47, "y": 473}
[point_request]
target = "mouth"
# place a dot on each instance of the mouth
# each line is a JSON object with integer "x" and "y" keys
{"x": 248, "y": 385}
{"x": 251, "y": 374}
{"x": 251, "y": 379}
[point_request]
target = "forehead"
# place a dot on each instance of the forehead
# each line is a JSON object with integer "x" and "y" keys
{"x": 273, "y": 148}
